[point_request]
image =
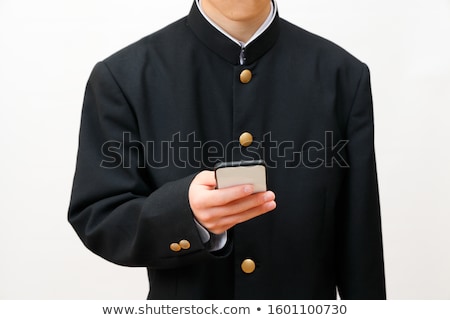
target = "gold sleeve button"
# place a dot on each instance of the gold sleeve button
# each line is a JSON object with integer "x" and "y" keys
{"x": 175, "y": 247}
{"x": 184, "y": 244}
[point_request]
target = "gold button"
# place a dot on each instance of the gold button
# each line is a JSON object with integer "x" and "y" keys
{"x": 184, "y": 244}
{"x": 246, "y": 76}
{"x": 248, "y": 266}
{"x": 175, "y": 247}
{"x": 246, "y": 139}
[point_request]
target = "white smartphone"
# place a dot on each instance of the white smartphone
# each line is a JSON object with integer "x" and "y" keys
{"x": 230, "y": 174}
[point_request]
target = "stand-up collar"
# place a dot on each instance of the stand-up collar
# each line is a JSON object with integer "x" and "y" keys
{"x": 225, "y": 47}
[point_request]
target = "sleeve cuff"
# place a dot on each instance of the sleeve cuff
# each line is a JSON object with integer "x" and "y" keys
{"x": 215, "y": 242}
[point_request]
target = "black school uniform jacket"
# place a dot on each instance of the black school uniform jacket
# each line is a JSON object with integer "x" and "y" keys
{"x": 161, "y": 110}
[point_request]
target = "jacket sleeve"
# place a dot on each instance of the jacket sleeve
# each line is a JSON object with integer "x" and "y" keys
{"x": 115, "y": 209}
{"x": 359, "y": 241}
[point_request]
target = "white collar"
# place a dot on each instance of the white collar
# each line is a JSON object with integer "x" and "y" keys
{"x": 262, "y": 28}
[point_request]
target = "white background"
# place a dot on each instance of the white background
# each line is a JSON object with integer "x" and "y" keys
{"x": 47, "y": 50}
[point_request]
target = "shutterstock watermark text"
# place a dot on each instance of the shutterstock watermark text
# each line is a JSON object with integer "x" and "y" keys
{"x": 187, "y": 150}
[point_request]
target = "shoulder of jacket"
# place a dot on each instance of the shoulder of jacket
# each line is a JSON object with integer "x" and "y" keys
{"x": 139, "y": 49}
{"x": 305, "y": 40}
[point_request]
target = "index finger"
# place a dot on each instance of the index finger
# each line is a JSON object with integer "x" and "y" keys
{"x": 223, "y": 196}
